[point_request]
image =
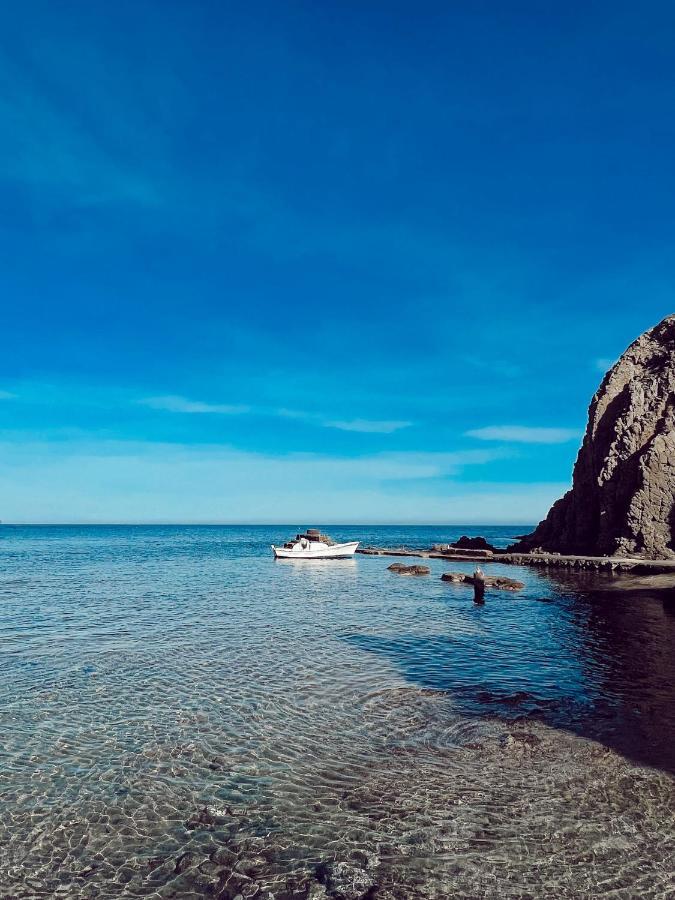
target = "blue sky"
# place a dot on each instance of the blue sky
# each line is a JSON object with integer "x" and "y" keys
{"x": 322, "y": 262}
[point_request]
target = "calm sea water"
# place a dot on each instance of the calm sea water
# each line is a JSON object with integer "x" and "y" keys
{"x": 351, "y": 733}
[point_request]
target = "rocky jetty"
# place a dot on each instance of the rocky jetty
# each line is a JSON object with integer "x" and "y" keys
{"x": 622, "y": 501}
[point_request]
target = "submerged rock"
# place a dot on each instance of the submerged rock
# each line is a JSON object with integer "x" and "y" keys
{"x": 401, "y": 569}
{"x": 185, "y": 861}
{"x": 622, "y": 501}
{"x": 519, "y": 742}
{"x": 317, "y": 891}
{"x": 203, "y": 819}
{"x": 346, "y": 881}
{"x": 223, "y": 856}
{"x": 455, "y": 577}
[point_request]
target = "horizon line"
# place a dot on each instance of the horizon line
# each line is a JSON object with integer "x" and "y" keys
{"x": 220, "y": 524}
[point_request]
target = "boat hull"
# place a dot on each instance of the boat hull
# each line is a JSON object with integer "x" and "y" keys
{"x": 336, "y": 551}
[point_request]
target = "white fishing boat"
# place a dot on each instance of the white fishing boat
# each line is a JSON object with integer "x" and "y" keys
{"x": 314, "y": 545}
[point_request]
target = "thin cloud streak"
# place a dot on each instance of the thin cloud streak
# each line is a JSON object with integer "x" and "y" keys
{"x": 119, "y": 481}
{"x": 175, "y": 403}
{"x": 363, "y": 426}
{"x": 523, "y": 434}
{"x": 368, "y": 426}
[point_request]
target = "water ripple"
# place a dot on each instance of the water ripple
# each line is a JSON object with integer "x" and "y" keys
{"x": 182, "y": 717}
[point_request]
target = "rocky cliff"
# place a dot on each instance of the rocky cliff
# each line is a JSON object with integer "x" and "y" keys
{"x": 622, "y": 500}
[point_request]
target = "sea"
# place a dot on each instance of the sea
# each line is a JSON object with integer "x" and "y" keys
{"x": 181, "y": 716}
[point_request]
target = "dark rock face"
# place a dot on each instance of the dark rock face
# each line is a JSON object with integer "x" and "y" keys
{"x": 472, "y": 543}
{"x": 622, "y": 501}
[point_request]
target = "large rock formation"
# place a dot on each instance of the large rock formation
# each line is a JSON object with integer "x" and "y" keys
{"x": 622, "y": 501}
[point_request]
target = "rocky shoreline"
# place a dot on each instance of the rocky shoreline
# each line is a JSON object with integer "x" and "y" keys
{"x": 622, "y": 500}
{"x": 619, "y": 515}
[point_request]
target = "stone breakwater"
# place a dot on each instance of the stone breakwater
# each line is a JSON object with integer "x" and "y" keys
{"x": 432, "y": 553}
{"x": 611, "y": 564}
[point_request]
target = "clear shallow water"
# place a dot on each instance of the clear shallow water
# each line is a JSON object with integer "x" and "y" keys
{"x": 349, "y": 730}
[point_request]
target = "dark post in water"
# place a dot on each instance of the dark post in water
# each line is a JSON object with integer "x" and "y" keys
{"x": 478, "y": 586}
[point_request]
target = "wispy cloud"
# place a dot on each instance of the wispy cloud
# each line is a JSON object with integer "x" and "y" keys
{"x": 177, "y": 404}
{"x": 523, "y": 434}
{"x": 123, "y": 481}
{"x": 368, "y": 426}
{"x": 365, "y": 426}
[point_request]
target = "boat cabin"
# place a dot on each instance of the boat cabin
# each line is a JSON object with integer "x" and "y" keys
{"x": 305, "y": 541}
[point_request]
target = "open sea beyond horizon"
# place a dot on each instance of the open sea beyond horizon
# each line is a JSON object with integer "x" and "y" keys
{"x": 182, "y": 716}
